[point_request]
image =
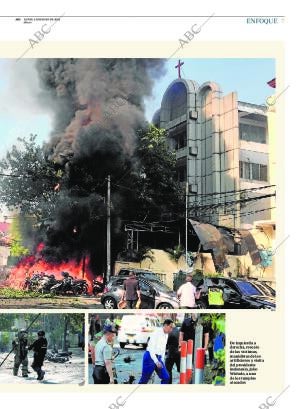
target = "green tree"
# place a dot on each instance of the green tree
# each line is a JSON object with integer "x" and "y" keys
{"x": 68, "y": 201}
{"x": 31, "y": 179}
{"x": 16, "y": 248}
{"x": 176, "y": 253}
{"x": 159, "y": 194}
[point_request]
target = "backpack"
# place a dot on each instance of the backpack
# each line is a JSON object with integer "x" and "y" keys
{"x": 219, "y": 342}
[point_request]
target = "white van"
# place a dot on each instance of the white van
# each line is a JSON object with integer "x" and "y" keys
{"x": 136, "y": 329}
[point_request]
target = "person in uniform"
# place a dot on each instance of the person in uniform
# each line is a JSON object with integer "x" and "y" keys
{"x": 39, "y": 348}
{"x": 20, "y": 350}
{"x": 103, "y": 369}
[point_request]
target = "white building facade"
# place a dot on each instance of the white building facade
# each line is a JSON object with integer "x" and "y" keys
{"x": 222, "y": 152}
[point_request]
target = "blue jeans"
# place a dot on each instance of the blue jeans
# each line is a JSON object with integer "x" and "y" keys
{"x": 149, "y": 367}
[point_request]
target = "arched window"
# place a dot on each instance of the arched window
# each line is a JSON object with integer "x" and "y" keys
{"x": 177, "y": 100}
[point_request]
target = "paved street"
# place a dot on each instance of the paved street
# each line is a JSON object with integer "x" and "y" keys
{"x": 71, "y": 372}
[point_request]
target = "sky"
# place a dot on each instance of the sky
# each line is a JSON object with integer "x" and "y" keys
{"x": 21, "y": 114}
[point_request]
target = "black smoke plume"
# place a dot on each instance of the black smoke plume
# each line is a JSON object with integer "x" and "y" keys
{"x": 98, "y": 106}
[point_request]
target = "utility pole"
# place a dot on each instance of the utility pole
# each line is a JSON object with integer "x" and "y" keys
{"x": 186, "y": 221}
{"x": 108, "y": 232}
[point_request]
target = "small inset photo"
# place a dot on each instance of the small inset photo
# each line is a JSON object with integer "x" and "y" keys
{"x": 153, "y": 348}
{"x": 42, "y": 348}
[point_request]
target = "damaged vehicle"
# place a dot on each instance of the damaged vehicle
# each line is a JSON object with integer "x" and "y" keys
{"x": 154, "y": 294}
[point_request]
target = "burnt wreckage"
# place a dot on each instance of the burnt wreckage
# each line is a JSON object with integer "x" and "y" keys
{"x": 221, "y": 241}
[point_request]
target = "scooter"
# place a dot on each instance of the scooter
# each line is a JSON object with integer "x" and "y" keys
{"x": 98, "y": 287}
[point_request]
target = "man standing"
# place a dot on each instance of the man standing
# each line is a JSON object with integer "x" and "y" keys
{"x": 153, "y": 359}
{"x": 173, "y": 354}
{"x": 39, "y": 348}
{"x": 103, "y": 369}
{"x": 131, "y": 291}
{"x": 20, "y": 349}
{"x": 187, "y": 293}
{"x": 188, "y": 330}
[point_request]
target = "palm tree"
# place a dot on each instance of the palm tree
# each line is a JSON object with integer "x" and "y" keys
{"x": 176, "y": 253}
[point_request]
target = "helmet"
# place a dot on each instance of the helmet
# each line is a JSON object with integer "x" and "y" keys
{"x": 41, "y": 333}
{"x": 22, "y": 333}
{"x": 110, "y": 328}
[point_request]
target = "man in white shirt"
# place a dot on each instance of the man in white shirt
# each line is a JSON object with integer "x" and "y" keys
{"x": 153, "y": 359}
{"x": 187, "y": 293}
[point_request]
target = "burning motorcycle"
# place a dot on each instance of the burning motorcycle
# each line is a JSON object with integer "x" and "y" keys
{"x": 69, "y": 286}
{"x": 98, "y": 287}
{"x": 80, "y": 287}
{"x": 36, "y": 282}
{"x": 40, "y": 282}
{"x": 46, "y": 283}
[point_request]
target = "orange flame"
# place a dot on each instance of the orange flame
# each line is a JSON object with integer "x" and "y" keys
{"x": 36, "y": 264}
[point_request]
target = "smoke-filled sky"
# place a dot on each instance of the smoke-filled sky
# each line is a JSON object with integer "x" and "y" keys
{"x": 22, "y": 113}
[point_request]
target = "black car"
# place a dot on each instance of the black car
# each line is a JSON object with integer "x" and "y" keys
{"x": 236, "y": 293}
{"x": 140, "y": 273}
{"x": 264, "y": 288}
{"x": 154, "y": 294}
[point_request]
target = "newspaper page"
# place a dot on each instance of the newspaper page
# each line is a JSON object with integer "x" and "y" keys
{"x": 142, "y": 221}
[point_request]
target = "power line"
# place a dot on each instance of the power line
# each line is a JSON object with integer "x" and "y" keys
{"x": 249, "y": 199}
{"x": 232, "y": 191}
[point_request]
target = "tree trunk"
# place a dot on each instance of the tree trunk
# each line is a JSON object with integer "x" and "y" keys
{"x": 65, "y": 339}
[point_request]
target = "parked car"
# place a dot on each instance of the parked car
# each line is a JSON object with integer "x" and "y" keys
{"x": 237, "y": 293}
{"x": 136, "y": 329}
{"x": 264, "y": 288}
{"x": 140, "y": 273}
{"x": 154, "y": 294}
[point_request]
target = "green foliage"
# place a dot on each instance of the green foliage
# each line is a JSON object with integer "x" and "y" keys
{"x": 52, "y": 324}
{"x": 15, "y": 293}
{"x": 158, "y": 192}
{"x": 175, "y": 253}
{"x": 197, "y": 276}
{"x": 153, "y": 189}
{"x": 5, "y": 322}
{"x": 144, "y": 187}
{"x": 211, "y": 275}
{"x": 4, "y": 339}
{"x": 219, "y": 380}
{"x": 16, "y": 248}
{"x": 30, "y": 188}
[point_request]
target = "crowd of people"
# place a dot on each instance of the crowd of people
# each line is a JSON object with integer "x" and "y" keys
{"x": 161, "y": 354}
{"x": 131, "y": 296}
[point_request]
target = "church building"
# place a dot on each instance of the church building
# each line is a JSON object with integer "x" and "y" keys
{"x": 222, "y": 151}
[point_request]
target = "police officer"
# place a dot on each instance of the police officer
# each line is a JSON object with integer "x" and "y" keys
{"x": 103, "y": 369}
{"x": 39, "y": 348}
{"x": 20, "y": 349}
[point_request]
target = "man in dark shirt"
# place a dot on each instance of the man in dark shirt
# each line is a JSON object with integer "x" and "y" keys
{"x": 131, "y": 290}
{"x": 39, "y": 348}
{"x": 173, "y": 354}
{"x": 188, "y": 329}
